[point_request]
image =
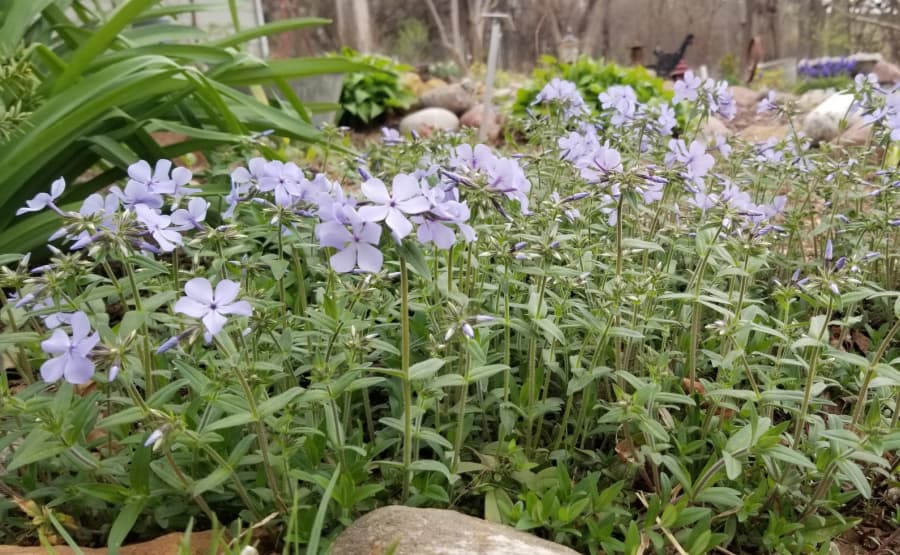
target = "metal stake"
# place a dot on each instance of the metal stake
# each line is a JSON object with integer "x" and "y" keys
{"x": 493, "y": 53}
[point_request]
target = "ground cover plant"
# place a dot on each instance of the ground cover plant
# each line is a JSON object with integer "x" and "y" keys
{"x": 617, "y": 339}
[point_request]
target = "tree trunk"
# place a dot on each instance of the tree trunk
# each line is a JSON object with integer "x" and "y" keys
{"x": 354, "y": 24}
{"x": 456, "y": 31}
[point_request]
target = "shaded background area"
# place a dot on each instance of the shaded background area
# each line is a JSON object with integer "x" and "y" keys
{"x": 421, "y": 31}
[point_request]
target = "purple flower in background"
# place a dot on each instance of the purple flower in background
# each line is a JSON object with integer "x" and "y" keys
{"x": 575, "y": 146}
{"x": 696, "y": 160}
{"x": 666, "y": 121}
{"x": 212, "y": 307}
{"x": 192, "y": 217}
{"x": 720, "y": 99}
{"x": 405, "y": 198}
{"x": 390, "y": 136}
{"x": 158, "y": 226}
{"x": 156, "y": 180}
{"x": 466, "y": 157}
{"x": 687, "y": 87}
{"x": 283, "y": 179}
{"x": 101, "y": 208}
{"x": 622, "y": 100}
{"x": 566, "y": 94}
{"x": 722, "y": 146}
{"x": 457, "y": 213}
{"x": 357, "y": 246}
{"x": 767, "y": 104}
{"x": 43, "y": 200}
{"x": 71, "y": 361}
{"x": 506, "y": 176}
{"x": 434, "y": 231}
{"x": 334, "y": 205}
{"x": 600, "y": 163}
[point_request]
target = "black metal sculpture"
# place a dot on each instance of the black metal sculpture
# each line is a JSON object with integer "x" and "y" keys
{"x": 667, "y": 61}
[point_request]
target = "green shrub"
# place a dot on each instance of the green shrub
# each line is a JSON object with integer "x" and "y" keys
{"x": 592, "y": 78}
{"x": 838, "y": 82}
{"x": 367, "y": 96}
{"x": 411, "y": 42}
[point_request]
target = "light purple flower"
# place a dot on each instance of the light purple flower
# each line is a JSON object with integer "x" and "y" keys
{"x": 283, "y": 179}
{"x": 603, "y": 161}
{"x": 767, "y": 104}
{"x": 137, "y": 193}
{"x": 71, "y": 361}
{"x": 565, "y": 93}
{"x": 43, "y": 200}
{"x": 622, "y": 100}
{"x": 405, "y": 198}
{"x": 506, "y": 176}
{"x": 192, "y": 217}
{"x": 666, "y": 121}
{"x": 434, "y": 231}
{"x": 156, "y": 180}
{"x": 158, "y": 225}
{"x": 390, "y": 136}
{"x": 686, "y": 88}
{"x": 212, "y": 307}
{"x": 696, "y": 160}
{"x": 154, "y": 437}
{"x": 357, "y": 246}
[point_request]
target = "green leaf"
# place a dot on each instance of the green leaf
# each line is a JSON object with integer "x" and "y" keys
{"x": 37, "y": 446}
{"x": 100, "y": 40}
{"x": 426, "y": 465}
{"x": 123, "y": 524}
{"x": 485, "y": 372}
{"x": 232, "y": 421}
{"x": 212, "y": 480}
{"x": 269, "y": 29}
{"x": 316, "y": 532}
{"x": 854, "y": 474}
{"x": 278, "y": 402}
{"x": 425, "y": 369}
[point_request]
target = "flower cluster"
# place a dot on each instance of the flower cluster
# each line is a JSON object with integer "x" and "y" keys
{"x": 713, "y": 96}
{"x": 564, "y": 94}
{"x": 826, "y": 67}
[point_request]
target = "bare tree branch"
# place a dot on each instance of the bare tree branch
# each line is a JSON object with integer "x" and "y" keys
{"x": 445, "y": 41}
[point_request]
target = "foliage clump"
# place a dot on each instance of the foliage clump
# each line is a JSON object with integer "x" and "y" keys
{"x": 591, "y": 77}
{"x": 366, "y": 96}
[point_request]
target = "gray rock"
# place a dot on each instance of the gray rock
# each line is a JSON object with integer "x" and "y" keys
{"x": 823, "y": 124}
{"x": 887, "y": 73}
{"x": 812, "y": 98}
{"x": 426, "y": 121}
{"x": 746, "y": 98}
{"x": 411, "y": 531}
{"x": 474, "y": 116}
{"x": 457, "y": 98}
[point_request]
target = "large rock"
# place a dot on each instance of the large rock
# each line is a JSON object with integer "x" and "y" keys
{"x": 411, "y": 531}
{"x": 474, "y": 116}
{"x": 858, "y": 134}
{"x": 812, "y": 98}
{"x": 886, "y": 72}
{"x": 823, "y": 123}
{"x": 746, "y": 98}
{"x": 425, "y": 122}
{"x": 457, "y": 98}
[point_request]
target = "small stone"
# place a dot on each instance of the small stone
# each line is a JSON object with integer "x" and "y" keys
{"x": 426, "y": 121}
{"x": 474, "y": 115}
{"x": 456, "y": 97}
{"x": 886, "y": 72}
{"x": 823, "y": 124}
{"x": 746, "y": 98}
{"x": 412, "y": 531}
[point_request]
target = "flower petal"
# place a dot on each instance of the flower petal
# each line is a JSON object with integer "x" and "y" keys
{"x": 57, "y": 188}
{"x": 79, "y": 370}
{"x": 140, "y": 171}
{"x": 375, "y": 191}
{"x": 214, "y": 322}
{"x": 405, "y": 187}
{"x": 57, "y": 344}
{"x": 398, "y": 222}
{"x": 200, "y": 290}
{"x": 240, "y": 308}
{"x": 226, "y": 291}
{"x": 52, "y": 370}
{"x": 369, "y": 258}
{"x": 374, "y": 213}
{"x": 345, "y": 260}
{"x": 192, "y": 308}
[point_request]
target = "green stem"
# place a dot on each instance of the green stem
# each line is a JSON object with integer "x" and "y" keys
{"x": 811, "y": 374}
{"x": 406, "y": 386}
{"x": 870, "y": 373}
